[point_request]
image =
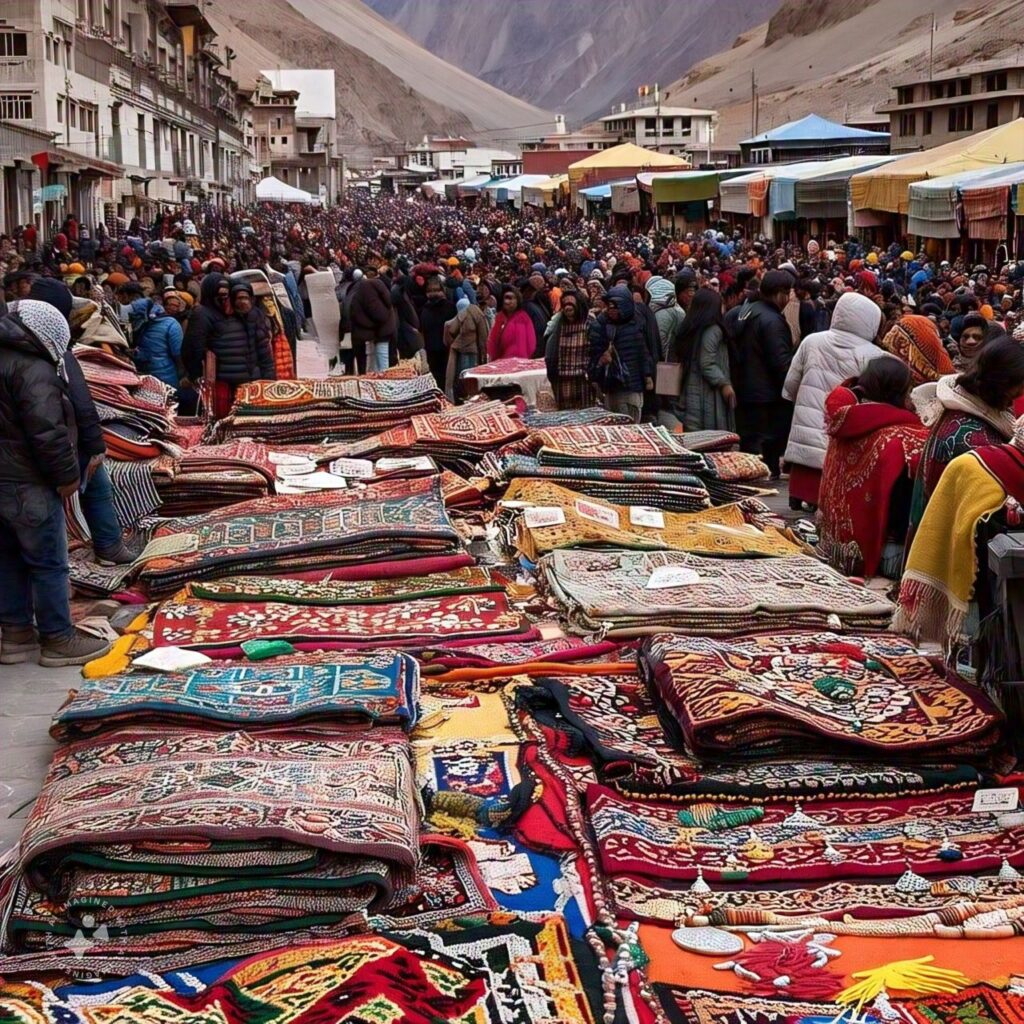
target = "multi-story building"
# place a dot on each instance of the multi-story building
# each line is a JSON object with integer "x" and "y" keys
{"x": 296, "y": 130}
{"x": 138, "y": 106}
{"x": 678, "y": 131}
{"x": 811, "y": 138}
{"x": 928, "y": 111}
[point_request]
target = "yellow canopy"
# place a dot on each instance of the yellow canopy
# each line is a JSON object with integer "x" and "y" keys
{"x": 888, "y": 187}
{"x": 618, "y": 162}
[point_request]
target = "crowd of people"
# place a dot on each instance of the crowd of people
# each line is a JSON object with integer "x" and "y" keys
{"x": 860, "y": 371}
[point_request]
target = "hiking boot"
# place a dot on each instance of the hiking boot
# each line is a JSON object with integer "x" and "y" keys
{"x": 18, "y": 644}
{"x": 76, "y": 649}
{"x": 119, "y": 555}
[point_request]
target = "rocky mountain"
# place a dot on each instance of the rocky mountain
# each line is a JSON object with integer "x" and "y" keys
{"x": 577, "y": 57}
{"x": 390, "y": 90}
{"x": 838, "y": 58}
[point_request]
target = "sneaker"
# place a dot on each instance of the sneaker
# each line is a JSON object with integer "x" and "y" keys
{"x": 120, "y": 555}
{"x": 76, "y": 649}
{"x": 18, "y": 645}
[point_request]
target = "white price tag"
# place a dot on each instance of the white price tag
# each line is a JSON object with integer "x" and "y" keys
{"x": 296, "y": 468}
{"x": 543, "y": 515}
{"x": 995, "y": 801}
{"x": 357, "y": 469}
{"x": 641, "y": 515}
{"x": 391, "y": 465}
{"x": 667, "y": 576}
{"x": 318, "y": 482}
{"x": 286, "y": 459}
{"x": 598, "y": 513}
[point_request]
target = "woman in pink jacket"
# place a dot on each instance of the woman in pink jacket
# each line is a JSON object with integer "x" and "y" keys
{"x": 512, "y": 334}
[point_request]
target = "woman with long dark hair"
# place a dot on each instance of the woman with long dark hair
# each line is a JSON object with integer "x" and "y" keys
{"x": 708, "y": 398}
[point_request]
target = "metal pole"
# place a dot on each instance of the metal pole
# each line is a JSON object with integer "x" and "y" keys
{"x": 931, "y": 49}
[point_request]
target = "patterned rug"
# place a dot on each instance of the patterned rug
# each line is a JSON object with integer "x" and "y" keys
{"x": 220, "y": 627}
{"x": 587, "y": 521}
{"x": 615, "y": 721}
{"x": 609, "y": 591}
{"x": 344, "y": 689}
{"x": 484, "y": 970}
{"x": 620, "y": 446}
{"x": 822, "y": 694}
{"x": 469, "y": 580}
{"x": 353, "y": 795}
{"x": 392, "y": 520}
{"x": 756, "y": 844}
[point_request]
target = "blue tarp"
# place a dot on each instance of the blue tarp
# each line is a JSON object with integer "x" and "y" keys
{"x": 814, "y": 128}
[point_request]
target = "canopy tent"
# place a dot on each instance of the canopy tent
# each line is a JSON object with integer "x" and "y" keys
{"x": 503, "y": 190}
{"x": 433, "y": 188}
{"x": 826, "y": 195}
{"x": 679, "y": 186}
{"x": 934, "y": 206}
{"x": 545, "y": 193}
{"x": 748, "y": 193}
{"x": 472, "y": 184}
{"x": 782, "y": 202}
{"x": 816, "y": 129}
{"x": 273, "y": 190}
{"x": 885, "y": 189}
{"x": 615, "y": 163}
{"x": 626, "y": 197}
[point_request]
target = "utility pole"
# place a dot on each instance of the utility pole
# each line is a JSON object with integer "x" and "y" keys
{"x": 931, "y": 49}
{"x": 753, "y": 103}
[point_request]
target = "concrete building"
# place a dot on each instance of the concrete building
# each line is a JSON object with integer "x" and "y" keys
{"x": 929, "y": 111}
{"x": 677, "y": 131}
{"x": 138, "y": 106}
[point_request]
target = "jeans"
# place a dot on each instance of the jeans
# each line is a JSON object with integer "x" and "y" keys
{"x": 98, "y": 508}
{"x": 34, "y": 560}
{"x": 378, "y": 355}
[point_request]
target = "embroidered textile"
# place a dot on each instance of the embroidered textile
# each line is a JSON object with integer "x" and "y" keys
{"x": 395, "y": 519}
{"x": 979, "y": 1003}
{"x": 347, "y": 689}
{"x": 822, "y": 693}
{"x": 608, "y": 590}
{"x": 717, "y": 531}
{"x": 536, "y": 420}
{"x": 752, "y": 844}
{"x": 734, "y": 466}
{"x": 471, "y": 580}
{"x": 220, "y": 627}
{"x": 620, "y": 446}
{"x": 353, "y": 795}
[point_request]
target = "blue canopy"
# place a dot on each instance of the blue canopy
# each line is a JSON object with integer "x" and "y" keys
{"x": 814, "y": 128}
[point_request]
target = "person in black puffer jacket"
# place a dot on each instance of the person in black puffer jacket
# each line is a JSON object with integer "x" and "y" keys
{"x": 39, "y": 467}
{"x": 621, "y": 328}
{"x": 215, "y": 328}
{"x": 374, "y": 320}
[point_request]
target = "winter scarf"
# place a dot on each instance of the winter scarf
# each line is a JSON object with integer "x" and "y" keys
{"x": 915, "y": 340}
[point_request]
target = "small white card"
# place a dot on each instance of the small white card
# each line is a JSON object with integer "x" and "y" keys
{"x": 391, "y": 465}
{"x": 286, "y": 459}
{"x": 171, "y": 659}
{"x": 357, "y": 469}
{"x": 667, "y": 576}
{"x": 296, "y": 468}
{"x": 641, "y": 515}
{"x": 598, "y": 513}
{"x": 318, "y": 482}
{"x": 995, "y": 801}
{"x": 544, "y": 515}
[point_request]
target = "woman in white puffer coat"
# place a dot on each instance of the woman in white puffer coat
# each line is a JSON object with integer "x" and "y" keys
{"x": 821, "y": 363}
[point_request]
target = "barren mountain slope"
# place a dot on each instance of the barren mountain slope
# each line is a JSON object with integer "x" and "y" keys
{"x": 838, "y": 58}
{"x": 579, "y": 56}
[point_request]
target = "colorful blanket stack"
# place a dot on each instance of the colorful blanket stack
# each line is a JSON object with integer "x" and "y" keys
{"x": 338, "y": 408}
{"x": 388, "y": 528}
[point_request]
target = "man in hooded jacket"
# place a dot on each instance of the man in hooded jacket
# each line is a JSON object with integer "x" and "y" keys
{"x": 620, "y": 359}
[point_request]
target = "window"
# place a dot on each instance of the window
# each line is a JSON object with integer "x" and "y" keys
{"x": 16, "y": 106}
{"x": 278, "y": 125}
{"x": 273, "y": 140}
{"x": 72, "y": 113}
{"x": 83, "y": 10}
{"x": 284, "y": 140}
{"x": 60, "y": 110}
{"x": 49, "y": 50}
{"x": 936, "y": 90}
{"x": 927, "y": 129}
{"x": 905, "y": 94}
{"x": 992, "y": 115}
{"x": 908, "y": 124}
{"x": 126, "y": 35}
{"x": 650, "y": 125}
{"x": 995, "y": 82}
{"x": 142, "y": 140}
{"x": 13, "y": 44}
{"x": 961, "y": 119}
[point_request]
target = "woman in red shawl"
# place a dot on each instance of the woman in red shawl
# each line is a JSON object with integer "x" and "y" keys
{"x": 874, "y": 448}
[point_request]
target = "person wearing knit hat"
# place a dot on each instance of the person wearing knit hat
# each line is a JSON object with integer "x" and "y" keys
{"x": 987, "y": 312}
{"x": 39, "y": 467}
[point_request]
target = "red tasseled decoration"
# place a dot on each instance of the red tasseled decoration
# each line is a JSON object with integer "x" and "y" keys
{"x": 770, "y": 960}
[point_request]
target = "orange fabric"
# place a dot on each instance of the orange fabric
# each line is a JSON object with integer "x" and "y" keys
{"x": 991, "y": 960}
{"x": 536, "y": 668}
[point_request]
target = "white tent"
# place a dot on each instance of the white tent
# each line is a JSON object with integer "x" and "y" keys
{"x": 273, "y": 190}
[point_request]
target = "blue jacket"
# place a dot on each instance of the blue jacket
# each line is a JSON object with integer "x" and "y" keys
{"x": 628, "y": 337}
{"x": 157, "y": 339}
